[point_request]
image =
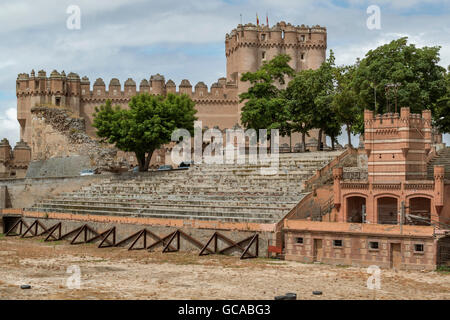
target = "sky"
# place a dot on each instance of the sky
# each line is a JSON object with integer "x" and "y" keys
{"x": 185, "y": 39}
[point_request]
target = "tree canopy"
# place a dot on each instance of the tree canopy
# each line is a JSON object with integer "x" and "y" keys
{"x": 146, "y": 125}
{"x": 345, "y": 100}
{"x": 415, "y": 69}
{"x": 265, "y": 106}
{"x": 310, "y": 95}
{"x": 442, "y": 109}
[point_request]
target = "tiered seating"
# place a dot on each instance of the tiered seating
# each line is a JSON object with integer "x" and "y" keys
{"x": 442, "y": 159}
{"x": 229, "y": 193}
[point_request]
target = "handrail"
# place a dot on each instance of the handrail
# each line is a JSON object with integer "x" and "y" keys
{"x": 319, "y": 173}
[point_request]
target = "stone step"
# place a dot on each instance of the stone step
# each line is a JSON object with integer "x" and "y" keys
{"x": 169, "y": 215}
{"x": 193, "y": 202}
{"x": 146, "y": 207}
{"x": 250, "y": 198}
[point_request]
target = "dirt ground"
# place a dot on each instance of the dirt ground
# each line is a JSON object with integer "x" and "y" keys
{"x": 115, "y": 273}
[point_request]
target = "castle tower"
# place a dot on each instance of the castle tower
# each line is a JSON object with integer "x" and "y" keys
{"x": 248, "y": 46}
{"x": 22, "y": 154}
{"x": 185, "y": 87}
{"x": 144, "y": 86}
{"x": 397, "y": 145}
{"x": 114, "y": 88}
{"x": 5, "y": 150}
{"x": 157, "y": 85}
{"x": 130, "y": 88}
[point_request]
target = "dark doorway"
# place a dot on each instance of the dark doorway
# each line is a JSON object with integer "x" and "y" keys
{"x": 387, "y": 210}
{"x": 8, "y": 223}
{"x": 318, "y": 250}
{"x": 355, "y": 207}
{"x": 396, "y": 255}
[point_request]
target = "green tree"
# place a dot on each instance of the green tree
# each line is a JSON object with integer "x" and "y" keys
{"x": 345, "y": 100}
{"x": 146, "y": 125}
{"x": 416, "y": 69}
{"x": 265, "y": 105}
{"x": 334, "y": 127}
{"x": 310, "y": 96}
{"x": 442, "y": 109}
{"x": 300, "y": 103}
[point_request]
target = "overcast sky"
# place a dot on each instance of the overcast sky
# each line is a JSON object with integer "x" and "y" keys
{"x": 185, "y": 39}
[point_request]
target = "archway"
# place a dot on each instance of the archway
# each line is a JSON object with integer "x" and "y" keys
{"x": 387, "y": 208}
{"x": 420, "y": 211}
{"x": 355, "y": 209}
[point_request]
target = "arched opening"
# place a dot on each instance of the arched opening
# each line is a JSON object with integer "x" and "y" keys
{"x": 419, "y": 211}
{"x": 387, "y": 210}
{"x": 355, "y": 207}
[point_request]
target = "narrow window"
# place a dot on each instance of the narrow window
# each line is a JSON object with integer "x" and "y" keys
{"x": 263, "y": 37}
{"x": 98, "y": 92}
{"x": 58, "y": 101}
{"x": 302, "y": 38}
{"x": 282, "y": 34}
{"x": 263, "y": 55}
{"x": 115, "y": 92}
{"x": 302, "y": 56}
{"x": 337, "y": 243}
{"x": 418, "y": 247}
{"x": 373, "y": 245}
{"x": 299, "y": 240}
{"x": 83, "y": 91}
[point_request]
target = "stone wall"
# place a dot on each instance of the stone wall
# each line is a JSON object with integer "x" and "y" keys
{"x": 3, "y": 197}
{"x": 352, "y": 244}
{"x": 23, "y": 193}
{"x": 55, "y": 132}
{"x": 355, "y": 250}
{"x": 59, "y": 167}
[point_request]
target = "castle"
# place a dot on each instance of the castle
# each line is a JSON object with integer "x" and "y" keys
{"x": 246, "y": 49}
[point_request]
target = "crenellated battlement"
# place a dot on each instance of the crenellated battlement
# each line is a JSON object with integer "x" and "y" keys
{"x": 397, "y": 144}
{"x": 72, "y": 85}
{"x": 281, "y": 35}
{"x": 396, "y": 120}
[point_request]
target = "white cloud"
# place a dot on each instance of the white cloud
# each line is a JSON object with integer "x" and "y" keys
{"x": 9, "y": 127}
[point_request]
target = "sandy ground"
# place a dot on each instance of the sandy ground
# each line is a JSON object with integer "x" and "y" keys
{"x": 115, "y": 273}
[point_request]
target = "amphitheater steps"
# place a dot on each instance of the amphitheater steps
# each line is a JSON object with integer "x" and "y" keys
{"x": 442, "y": 159}
{"x": 229, "y": 193}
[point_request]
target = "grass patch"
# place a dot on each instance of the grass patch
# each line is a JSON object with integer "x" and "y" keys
{"x": 52, "y": 243}
{"x": 342, "y": 266}
{"x": 443, "y": 269}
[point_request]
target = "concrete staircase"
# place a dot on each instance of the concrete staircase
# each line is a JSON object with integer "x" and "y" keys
{"x": 228, "y": 193}
{"x": 442, "y": 158}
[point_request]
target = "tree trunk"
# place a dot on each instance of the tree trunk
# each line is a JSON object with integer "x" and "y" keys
{"x": 332, "y": 143}
{"x": 349, "y": 136}
{"x": 290, "y": 141}
{"x": 148, "y": 159}
{"x": 304, "y": 141}
{"x": 319, "y": 143}
{"x": 141, "y": 160}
